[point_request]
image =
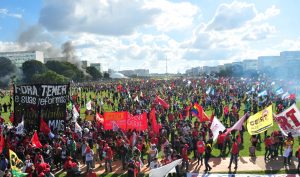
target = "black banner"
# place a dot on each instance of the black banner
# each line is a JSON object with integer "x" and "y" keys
{"x": 46, "y": 101}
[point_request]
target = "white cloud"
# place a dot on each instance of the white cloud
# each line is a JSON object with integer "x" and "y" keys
{"x": 270, "y": 12}
{"x": 114, "y": 17}
{"x": 5, "y": 12}
{"x": 230, "y": 16}
{"x": 173, "y": 16}
{"x": 259, "y": 32}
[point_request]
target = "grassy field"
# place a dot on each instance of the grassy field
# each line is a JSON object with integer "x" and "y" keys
{"x": 243, "y": 152}
{"x": 244, "y": 148}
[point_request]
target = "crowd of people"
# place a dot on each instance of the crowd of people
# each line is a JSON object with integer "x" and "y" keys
{"x": 181, "y": 135}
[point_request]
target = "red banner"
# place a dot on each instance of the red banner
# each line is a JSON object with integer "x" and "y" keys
{"x": 125, "y": 121}
{"x": 138, "y": 122}
{"x": 119, "y": 117}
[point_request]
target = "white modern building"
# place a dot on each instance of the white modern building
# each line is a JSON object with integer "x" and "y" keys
{"x": 268, "y": 62}
{"x": 249, "y": 64}
{"x": 18, "y": 58}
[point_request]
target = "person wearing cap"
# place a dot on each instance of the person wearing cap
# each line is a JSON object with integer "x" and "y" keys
{"x": 234, "y": 154}
{"x": 207, "y": 155}
{"x": 185, "y": 157}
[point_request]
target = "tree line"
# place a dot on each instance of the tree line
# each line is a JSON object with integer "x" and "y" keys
{"x": 54, "y": 72}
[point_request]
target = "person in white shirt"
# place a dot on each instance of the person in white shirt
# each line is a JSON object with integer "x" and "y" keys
{"x": 89, "y": 157}
{"x": 154, "y": 164}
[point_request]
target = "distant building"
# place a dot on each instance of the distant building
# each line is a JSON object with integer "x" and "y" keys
{"x": 55, "y": 59}
{"x": 142, "y": 72}
{"x": 98, "y": 66}
{"x": 265, "y": 62}
{"x": 249, "y": 64}
{"x": 193, "y": 71}
{"x": 290, "y": 55}
{"x": 110, "y": 71}
{"x": 84, "y": 64}
{"x": 18, "y": 58}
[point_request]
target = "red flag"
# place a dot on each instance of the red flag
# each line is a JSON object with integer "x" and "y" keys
{"x": 154, "y": 122}
{"x": 99, "y": 118}
{"x": 198, "y": 111}
{"x": 35, "y": 141}
{"x": 2, "y": 143}
{"x": 44, "y": 127}
{"x": 162, "y": 102}
{"x": 180, "y": 116}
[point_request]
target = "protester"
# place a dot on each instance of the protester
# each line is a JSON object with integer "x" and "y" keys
{"x": 172, "y": 132}
{"x": 207, "y": 156}
{"x": 200, "y": 150}
{"x": 234, "y": 154}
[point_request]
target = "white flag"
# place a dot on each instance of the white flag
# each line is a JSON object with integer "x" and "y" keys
{"x": 262, "y": 93}
{"x": 89, "y": 105}
{"x": 216, "y": 126}
{"x": 20, "y": 127}
{"x": 285, "y": 95}
{"x": 136, "y": 98}
{"x": 115, "y": 126}
{"x": 75, "y": 114}
{"x": 164, "y": 170}
{"x": 77, "y": 128}
{"x": 238, "y": 125}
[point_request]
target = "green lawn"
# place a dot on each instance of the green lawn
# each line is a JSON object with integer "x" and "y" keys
{"x": 244, "y": 151}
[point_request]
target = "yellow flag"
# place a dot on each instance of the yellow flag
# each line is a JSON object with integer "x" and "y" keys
{"x": 260, "y": 122}
{"x": 15, "y": 162}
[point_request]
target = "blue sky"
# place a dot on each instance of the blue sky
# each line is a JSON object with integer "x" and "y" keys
{"x": 129, "y": 34}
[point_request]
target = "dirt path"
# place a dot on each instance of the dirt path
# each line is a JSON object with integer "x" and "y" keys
{"x": 219, "y": 165}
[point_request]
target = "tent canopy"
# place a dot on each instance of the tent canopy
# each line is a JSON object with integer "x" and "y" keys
{"x": 117, "y": 76}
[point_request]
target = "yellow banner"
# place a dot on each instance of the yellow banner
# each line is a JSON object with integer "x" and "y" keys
{"x": 260, "y": 122}
{"x": 15, "y": 162}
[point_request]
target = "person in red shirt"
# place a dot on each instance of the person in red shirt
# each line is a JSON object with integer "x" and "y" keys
{"x": 268, "y": 144}
{"x": 220, "y": 142}
{"x": 185, "y": 157}
{"x": 42, "y": 168}
{"x": 234, "y": 154}
{"x": 200, "y": 150}
{"x": 71, "y": 167}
